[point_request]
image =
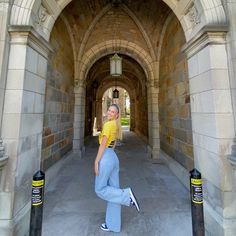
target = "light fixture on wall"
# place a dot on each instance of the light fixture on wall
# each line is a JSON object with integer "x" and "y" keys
{"x": 115, "y": 93}
{"x": 116, "y": 65}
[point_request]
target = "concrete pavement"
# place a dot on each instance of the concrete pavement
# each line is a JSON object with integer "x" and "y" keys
{"x": 71, "y": 207}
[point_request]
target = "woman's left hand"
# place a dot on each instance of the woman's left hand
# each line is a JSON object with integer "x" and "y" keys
{"x": 96, "y": 168}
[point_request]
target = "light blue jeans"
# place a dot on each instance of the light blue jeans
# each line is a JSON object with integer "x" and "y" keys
{"x": 107, "y": 187}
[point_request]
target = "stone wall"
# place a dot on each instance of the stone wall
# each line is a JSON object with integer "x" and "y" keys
{"x": 141, "y": 112}
{"x": 141, "y": 118}
{"x": 59, "y": 102}
{"x": 174, "y": 98}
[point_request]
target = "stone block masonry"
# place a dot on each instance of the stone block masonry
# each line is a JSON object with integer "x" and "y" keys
{"x": 59, "y": 99}
{"x": 174, "y": 99}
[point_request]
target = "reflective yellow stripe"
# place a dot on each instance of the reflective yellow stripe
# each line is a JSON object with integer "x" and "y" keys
{"x": 36, "y": 204}
{"x": 196, "y": 181}
{"x": 37, "y": 183}
{"x": 200, "y": 202}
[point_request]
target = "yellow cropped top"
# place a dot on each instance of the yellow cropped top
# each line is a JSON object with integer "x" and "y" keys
{"x": 110, "y": 131}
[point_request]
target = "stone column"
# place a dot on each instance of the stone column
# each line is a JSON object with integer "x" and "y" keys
{"x": 231, "y": 40}
{"x": 132, "y": 114}
{"x": 22, "y": 126}
{"x": 232, "y": 160}
{"x": 99, "y": 115}
{"x": 231, "y": 9}
{"x": 93, "y": 121}
{"x": 79, "y": 118}
{"x": 153, "y": 120}
{"x": 4, "y": 48}
{"x": 213, "y": 127}
{"x": 4, "y": 52}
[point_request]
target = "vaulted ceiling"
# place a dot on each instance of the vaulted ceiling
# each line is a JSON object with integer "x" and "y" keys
{"x": 91, "y": 22}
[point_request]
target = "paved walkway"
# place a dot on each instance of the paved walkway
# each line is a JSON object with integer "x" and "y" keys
{"x": 72, "y": 208}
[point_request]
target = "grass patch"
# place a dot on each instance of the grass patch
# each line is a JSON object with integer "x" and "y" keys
{"x": 124, "y": 120}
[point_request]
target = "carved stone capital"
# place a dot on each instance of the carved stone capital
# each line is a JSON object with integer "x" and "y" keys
{"x": 79, "y": 87}
{"x": 27, "y": 35}
{"x": 153, "y": 83}
{"x": 208, "y": 35}
{"x": 78, "y": 83}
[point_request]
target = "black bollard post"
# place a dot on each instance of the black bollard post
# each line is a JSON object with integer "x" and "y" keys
{"x": 36, "y": 217}
{"x": 197, "y": 203}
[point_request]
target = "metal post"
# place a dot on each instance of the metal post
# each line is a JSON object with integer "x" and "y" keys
{"x": 197, "y": 203}
{"x": 36, "y": 217}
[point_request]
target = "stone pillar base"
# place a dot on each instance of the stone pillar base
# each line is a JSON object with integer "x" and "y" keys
{"x": 18, "y": 225}
{"x": 149, "y": 151}
{"x": 153, "y": 153}
{"x": 178, "y": 170}
{"x": 216, "y": 225}
{"x": 79, "y": 152}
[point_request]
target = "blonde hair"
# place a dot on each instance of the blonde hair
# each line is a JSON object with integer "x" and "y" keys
{"x": 118, "y": 123}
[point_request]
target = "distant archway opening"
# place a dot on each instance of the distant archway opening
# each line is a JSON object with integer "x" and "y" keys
{"x": 123, "y": 101}
{"x": 132, "y": 85}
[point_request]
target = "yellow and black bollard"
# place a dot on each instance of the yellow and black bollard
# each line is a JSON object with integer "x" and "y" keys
{"x": 197, "y": 203}
{"x": 36, "y": 217}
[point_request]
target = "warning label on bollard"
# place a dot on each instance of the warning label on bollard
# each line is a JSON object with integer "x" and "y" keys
{"x": 37, "y": 192}
{"x": 196, "y": 189}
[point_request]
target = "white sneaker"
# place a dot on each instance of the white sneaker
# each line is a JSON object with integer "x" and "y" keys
{"x": 133, "y": 200}
{"x": 104, "y": 227}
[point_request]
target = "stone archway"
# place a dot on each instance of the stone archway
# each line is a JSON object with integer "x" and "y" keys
{"x": 95, "y": 109}
{"x": 133, "y": 80}
{"x": 189, "y": 13}
{"x": 112, "y": 46}
{"x": 132, "y": 95}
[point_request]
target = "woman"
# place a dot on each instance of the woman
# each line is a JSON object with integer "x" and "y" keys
{"x": 106, "y": 169}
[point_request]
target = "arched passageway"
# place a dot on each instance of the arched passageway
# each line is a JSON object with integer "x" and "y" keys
{"x": 133, "y": 79}
{"x": 176, "y": 69}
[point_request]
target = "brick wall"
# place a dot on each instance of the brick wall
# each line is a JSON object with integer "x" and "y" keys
{"x": 59, "y": 102}
{"x": 174, "y": 99}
